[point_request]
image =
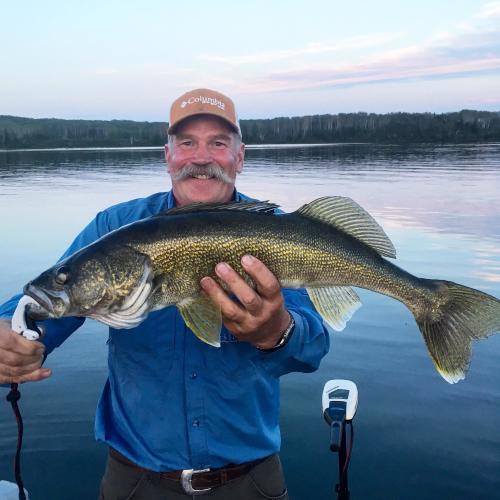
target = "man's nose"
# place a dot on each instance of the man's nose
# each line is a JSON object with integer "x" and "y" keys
{"x": 202, "y": 155}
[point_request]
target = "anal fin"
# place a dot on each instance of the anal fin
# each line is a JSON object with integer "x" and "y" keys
{"x": 336, "y": 304}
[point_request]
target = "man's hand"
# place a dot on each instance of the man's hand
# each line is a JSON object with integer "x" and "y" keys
{"x": 261, "y": 317}
{"x": 20, "y": 359}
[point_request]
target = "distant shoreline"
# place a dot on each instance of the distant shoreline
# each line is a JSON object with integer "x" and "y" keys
{"x": 466, "y": 126}
{"x": 247, "y": 146}
{"x": 160, "y": 148}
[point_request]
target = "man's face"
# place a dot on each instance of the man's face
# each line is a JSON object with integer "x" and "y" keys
{"x": 203, "y": 160}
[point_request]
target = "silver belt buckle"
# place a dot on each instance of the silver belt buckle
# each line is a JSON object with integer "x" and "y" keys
{"x": 186, "y": 477}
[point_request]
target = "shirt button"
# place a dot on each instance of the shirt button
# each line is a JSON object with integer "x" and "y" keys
{"x": 196, "y": 423}
{"x": 193, "y": 375}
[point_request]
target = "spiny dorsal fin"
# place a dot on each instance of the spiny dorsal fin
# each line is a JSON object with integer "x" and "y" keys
{"x": 346, "y": 215}
{"x": 251, "y": 206}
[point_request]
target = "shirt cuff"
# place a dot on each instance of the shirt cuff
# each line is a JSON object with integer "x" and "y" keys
{"x": 293, "y": 342}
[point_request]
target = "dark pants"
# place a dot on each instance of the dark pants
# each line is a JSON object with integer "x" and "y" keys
{"x": 124, "y": 482}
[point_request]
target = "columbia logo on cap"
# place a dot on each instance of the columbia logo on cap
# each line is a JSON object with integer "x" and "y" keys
{"x": 204, "y": 100}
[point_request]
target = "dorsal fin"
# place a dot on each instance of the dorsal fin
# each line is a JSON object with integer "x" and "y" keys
{"x": 346, "y": 215}
{"x": 251, "y": 206}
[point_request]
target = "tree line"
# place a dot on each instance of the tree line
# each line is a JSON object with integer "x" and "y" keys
{"x": 462, "y": 126}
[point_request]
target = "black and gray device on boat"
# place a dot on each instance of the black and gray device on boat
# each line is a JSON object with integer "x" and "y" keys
{"x": 340, "y": 402}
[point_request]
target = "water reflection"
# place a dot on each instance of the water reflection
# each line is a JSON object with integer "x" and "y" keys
{"x": 436, "y": 188}
{"x": 450, "y": 189}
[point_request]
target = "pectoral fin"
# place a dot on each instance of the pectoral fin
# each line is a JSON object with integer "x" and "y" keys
{"x": 203, "y": 317}
{"x": 336, "y": 304}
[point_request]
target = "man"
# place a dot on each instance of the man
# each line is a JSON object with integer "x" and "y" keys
{"x": 183, "y": 418}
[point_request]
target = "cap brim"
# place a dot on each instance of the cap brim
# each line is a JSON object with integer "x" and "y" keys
{"x": 171, "y": 129}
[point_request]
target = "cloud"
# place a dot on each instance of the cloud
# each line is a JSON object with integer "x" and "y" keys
{"x": 467, "y": 49}
{"x": 490, "y": 277}
{"x": 471, "y": 52}
{"x": 493, "y": 100}
{"x": 357, "y": 42}
{"x": 382, "y": 72}
{"x": 489, "y": 10}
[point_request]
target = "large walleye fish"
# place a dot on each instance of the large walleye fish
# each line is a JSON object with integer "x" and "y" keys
{"x": 326, "y": 246}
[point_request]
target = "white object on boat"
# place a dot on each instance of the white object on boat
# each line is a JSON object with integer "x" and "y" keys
{"x": 10, "y": 491}
{"x": 343, "y": 391}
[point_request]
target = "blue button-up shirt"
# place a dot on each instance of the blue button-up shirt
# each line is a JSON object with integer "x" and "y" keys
{"x": 173, "y": 402}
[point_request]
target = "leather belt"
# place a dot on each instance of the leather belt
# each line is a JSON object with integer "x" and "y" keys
{"x": 195, "y": 482}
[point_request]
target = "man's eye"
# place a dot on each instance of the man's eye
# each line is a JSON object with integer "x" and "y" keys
{"x": 220, "y": 144}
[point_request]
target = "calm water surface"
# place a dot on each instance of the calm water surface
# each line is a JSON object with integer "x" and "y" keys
{"x": 416, "y": 437}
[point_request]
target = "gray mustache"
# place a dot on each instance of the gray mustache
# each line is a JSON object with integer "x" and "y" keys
{"x": 212, "y": 171}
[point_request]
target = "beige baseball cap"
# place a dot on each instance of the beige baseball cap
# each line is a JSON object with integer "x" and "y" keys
{"x": 203, "y": 102}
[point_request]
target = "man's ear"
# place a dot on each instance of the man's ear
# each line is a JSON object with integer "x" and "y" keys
{"x": 241, "y": 159}
{"x": 167, "y": 155}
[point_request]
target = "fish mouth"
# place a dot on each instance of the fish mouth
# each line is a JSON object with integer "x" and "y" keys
{"x": 48, "y": 300}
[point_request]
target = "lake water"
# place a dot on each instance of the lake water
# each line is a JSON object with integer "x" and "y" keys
{"x": 416, "y": 437}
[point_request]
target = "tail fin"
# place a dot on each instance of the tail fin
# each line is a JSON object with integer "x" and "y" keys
{"x": 459, "y": 316}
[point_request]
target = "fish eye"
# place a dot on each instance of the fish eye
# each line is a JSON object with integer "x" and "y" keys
{"x": 62, "y": 275}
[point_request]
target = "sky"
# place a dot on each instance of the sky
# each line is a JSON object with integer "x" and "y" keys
{"x": 130, "y": 59}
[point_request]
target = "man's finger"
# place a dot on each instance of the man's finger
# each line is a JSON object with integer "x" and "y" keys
{"x": 14, "y": 342}
{"x": 266, "y": 282}
{"x": 247, "y": 296}
{"x": 12, "y": 372}
{"x": 229, "y": 308}
{"x": 35, "y": 376}
{"x": 10, "y": 358}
